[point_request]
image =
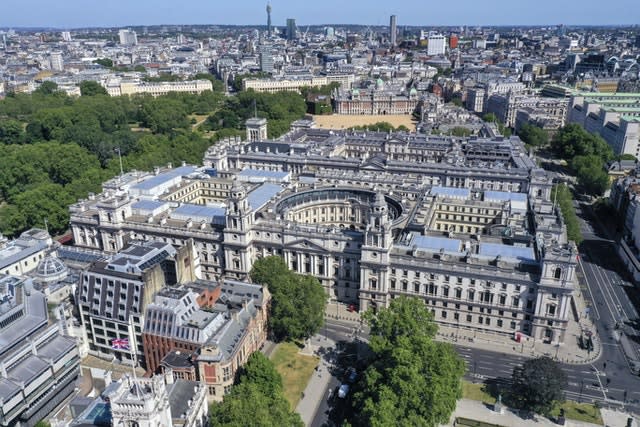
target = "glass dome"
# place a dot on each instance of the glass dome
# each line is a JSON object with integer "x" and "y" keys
{"x": 51, "y": 269}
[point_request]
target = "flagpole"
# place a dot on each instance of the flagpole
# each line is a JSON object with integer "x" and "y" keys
{"x": 133, "y": 349}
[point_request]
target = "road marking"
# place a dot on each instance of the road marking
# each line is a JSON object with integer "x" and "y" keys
{"x": 584, "y": 274}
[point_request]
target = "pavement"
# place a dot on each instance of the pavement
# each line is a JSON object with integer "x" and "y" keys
{"x": 316, "y": 391}
{"x": 479, "y": 411}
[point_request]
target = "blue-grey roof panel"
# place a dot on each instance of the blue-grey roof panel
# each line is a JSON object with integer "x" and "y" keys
{"x": 462, "y": 193}
{"x": 199, "y": 212}
{"x": 504, "y": 196}
{"x": 147, "y": 205}
{"x": 160, "y": 179}
{"x": 438, "y": 243}
{"x": 249, "y": 173}
{"x": 519, "y": 253}
{"x": 261, "y": 195}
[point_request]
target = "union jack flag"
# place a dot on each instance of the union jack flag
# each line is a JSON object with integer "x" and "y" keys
{"x": 120, "y": 343}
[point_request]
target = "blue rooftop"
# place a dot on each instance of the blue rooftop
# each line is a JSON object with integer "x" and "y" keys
{"x": 256, "y": 173}
{"x": 458, "y": 193}
{"x": 148, "y": 205}
{"x": 519, "y": 253}
{"x": 504, "y": 196}
{"x": 211, "y": 214}
{"x": 154, "y": 181}
{"x": 261, "y": 195}
{"x": 437, "y": 243}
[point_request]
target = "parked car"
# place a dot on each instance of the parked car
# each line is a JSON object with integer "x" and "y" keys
{"x": 351, "y": 375}
{"x": 343, "y": 391}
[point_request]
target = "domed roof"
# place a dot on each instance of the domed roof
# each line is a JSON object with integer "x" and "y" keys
{"x": 413, "y": 91}
{"x": 379, "y": 84}
{"x": 355, "y": 92}
{"x": 51, "y": 269}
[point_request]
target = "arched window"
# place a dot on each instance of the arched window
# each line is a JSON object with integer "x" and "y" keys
{"x": 557, "y": 273}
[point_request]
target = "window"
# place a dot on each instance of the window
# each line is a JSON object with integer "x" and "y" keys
{"x": 516, "y": 301}
{"x": 480, "y": 319}
{"x": 445, "y": 291}
{"x": 392, "y": 282}
{"x": 456, "y": 316}
{"x": 502, "y": 299}
{"x": 444, "y": 314}
{"x": 469, "y": 318}
{"x": 499, "y": 322}
{"x": 416, "y": 288}
{"x": 471, "y": 294}
{"x": 513, "y": 325}
{"x": 557, "y": 273}
{"x": 458, "y": 293}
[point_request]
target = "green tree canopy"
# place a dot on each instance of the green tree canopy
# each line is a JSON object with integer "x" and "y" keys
{"x": 572, "y": 140}
{"x": 411, "y": 379}
{"x": 537, "y": 385}
{"x": 256, "y": 400}
{"x": 297, "y": 302}
{"x": 47, "y": 88}
{"x": 591, "y": 174}
{"x": 91, "y": 88}
{"x": 533, "y": 135}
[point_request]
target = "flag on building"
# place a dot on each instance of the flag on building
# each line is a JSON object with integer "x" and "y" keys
{"x": 120, "y": 344}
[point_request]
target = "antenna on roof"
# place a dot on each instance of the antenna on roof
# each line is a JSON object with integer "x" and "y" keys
{"x": 255, "y": 109}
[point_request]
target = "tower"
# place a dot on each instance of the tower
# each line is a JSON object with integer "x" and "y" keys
{"x": 237, "y": 233}
{"x": 374, "y": 265}
{"x": 256, "y": 129}
{"x": 291, "y": 29}
{"x": 269, "y": 18}
{"x": 393, "y": 31}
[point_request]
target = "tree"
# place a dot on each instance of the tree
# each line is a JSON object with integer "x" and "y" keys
{"x": 105, "y": 62}
{"x": 257, "y": 399}
{"x": 591, "y": 174}
{"x": 460, "y": 131}
{"x": 297, "y": 302}
{"x": 260, "y": 371}
{"x": 43, "y": 423}
{"x": 533, "y": 135}
{"x": 490, "y": 118}
{"x": 11, "y": 132}
{"x": 91, "y": 88}
{"x": 411, "y": 379}
{"x": 572, "y": 140}
{"x": 537, "y": 385}
{"x": 47, "y": 88}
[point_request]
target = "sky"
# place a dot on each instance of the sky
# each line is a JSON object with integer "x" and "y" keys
{"x": 119, "y": 13}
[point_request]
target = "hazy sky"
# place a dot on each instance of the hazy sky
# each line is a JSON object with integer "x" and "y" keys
{"x": 84, "y": 13}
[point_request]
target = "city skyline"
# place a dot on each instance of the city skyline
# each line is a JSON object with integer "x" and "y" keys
{"x": 118, "y": 13}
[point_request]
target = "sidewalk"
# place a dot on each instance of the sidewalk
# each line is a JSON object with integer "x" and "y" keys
{"x": 479, "y": 411}
{"x": 314, "y": 393}
{"x": 568, "y": 352}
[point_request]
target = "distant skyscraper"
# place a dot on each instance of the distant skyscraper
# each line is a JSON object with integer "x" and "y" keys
{"x": 291, "y": 29}
{"x": 57, "y": 64}
{"x": 266, "y": 59}
{"x": 66, "y": 36}
{"x": 393, "y": 30}
{"x": 268, "y": 18}
{"x": 128, "y": 37}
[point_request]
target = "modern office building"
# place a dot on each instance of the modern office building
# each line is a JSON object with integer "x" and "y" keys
{"x": 393, "y": 30}
{"x": 292, "y": 31}
{"x": 113, "y": 295}
{"x": 614, "y": 116}
{"x": 466, "y": 224}
{"x": 39, "y": 364}
{"x": 266, "y": 59}
{"x": 128, "y": 37}
{"x": 56, "y": 62}
{"x": 436, "y": 44}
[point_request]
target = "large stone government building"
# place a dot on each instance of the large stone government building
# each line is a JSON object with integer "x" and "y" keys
{"x": 468, "y": 225}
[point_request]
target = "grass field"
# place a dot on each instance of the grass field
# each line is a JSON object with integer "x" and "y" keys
{"x": 476, "y": 392}
{"x": 579, "y": 412}
{"x": 336, "y": 121}
{"x": 295, "y": 368}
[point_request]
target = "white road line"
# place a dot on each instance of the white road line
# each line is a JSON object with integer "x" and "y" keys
{"x": 595, "y": 304}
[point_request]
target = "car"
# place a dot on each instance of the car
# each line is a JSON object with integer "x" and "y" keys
{"x": 343, "y": 391}
{"x": 351, "y": 375}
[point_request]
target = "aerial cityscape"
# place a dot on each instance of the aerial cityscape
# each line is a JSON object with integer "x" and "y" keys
{"x": 291, "y": 214}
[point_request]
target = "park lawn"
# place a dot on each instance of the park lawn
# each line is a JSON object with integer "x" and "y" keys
{"x": 579, "y": 412}
{"x": 295, "y": 368}
{"x": 475, "y": 391}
